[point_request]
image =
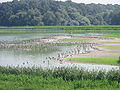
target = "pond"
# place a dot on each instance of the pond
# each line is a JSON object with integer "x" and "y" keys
{"x": 27, "y": 50}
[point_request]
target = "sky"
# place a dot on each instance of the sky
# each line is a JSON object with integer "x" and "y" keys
{"x": 87, "y": 1}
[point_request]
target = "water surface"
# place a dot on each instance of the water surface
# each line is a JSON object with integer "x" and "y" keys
{"x": 13, "y": 57}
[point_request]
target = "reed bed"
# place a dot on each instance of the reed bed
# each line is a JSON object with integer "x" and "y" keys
{"x": 67, "y": 74}
{"x": 29, "y": 46}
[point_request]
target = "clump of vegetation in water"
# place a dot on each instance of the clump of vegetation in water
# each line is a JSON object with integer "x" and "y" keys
{"x": 31, "y": 46}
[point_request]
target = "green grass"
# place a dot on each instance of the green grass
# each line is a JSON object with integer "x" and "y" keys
{"x": 15, "y": 78}
{"x": 29, "y": 82}
{"x": 61, "y": 29}
{"x": 112, "y": 61}
{"x": 75, "y": 40}
{"x": 112, "y": 47}
{"x": 111, "y": 35}
{"x": 116, "y": 51}
{"x": 111, "y": 42}
{"x": 67, "y": 74}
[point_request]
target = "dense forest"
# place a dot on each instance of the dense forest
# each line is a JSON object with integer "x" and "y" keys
{"x": 57, "y": 13}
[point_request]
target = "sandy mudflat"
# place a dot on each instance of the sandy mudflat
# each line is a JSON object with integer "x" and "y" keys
{"x": 102, "y": 52}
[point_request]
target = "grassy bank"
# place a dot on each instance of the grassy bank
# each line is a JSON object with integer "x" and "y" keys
{"x": 60, "y": 29}
{"x": 75, "y": 40}
{"x": 58, "y": 79}
{"x": 111, "y": 47}
{"x": 111, "y": 35}
{"x": 112, "y": 61}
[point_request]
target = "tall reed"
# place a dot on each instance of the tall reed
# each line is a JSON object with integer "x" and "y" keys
{"x": 68, "y": 74}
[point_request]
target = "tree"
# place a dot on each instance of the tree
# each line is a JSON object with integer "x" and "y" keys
{"x": 18, "y": 19}
{"x": 34, "y": 17}
{"x": 49, "y": 18}
{"x": 15, "y": 1}
{"x": 30, "y": 18}
{"x": 115, "y": 18}
{"x": 53, "y": 12}
{"x": 84, "y": 21}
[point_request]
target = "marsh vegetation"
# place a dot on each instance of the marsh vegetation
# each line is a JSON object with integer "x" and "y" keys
{"x": 59, "y": 78}
{"x": 71, "y": 55}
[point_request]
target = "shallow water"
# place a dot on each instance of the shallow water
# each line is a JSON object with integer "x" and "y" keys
{"x": 20, "y": 37}
{"x": 19, "y": 58}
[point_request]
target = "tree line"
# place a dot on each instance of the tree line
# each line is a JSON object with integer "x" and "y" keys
{"x": 57, "y": 13}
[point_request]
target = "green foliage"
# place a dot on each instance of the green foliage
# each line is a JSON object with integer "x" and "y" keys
{"x": 67, "y": 74}
{"x": 29, "y": 82}
{"x": 22, "y": 18}
{"x": 112, "y": 61}
{"x": 57, "y": 13}
{"x": 16, "y": 78}
{"x": 115, "y": 20}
